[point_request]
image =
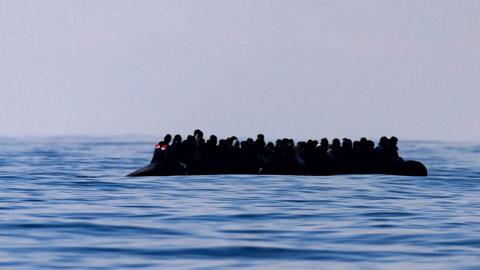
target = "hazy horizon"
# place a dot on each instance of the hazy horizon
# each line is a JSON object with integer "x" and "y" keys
{"x": 295, "y": 69}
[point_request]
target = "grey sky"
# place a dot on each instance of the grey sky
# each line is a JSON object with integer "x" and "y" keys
{"x": 285, "y": 68}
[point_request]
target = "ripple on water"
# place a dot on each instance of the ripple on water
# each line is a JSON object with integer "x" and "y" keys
{"x": 66, "y": 204}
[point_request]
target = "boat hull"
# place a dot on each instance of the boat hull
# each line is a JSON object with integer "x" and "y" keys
{"x": 406, "y": 168}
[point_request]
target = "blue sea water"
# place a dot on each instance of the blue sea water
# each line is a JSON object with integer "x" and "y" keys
{"x": 65, "y": 204}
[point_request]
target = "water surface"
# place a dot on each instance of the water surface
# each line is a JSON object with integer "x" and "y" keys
{"x": 65, "y": 203}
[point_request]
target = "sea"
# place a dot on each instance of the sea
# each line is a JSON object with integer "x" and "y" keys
{"x": 65, "y": 203}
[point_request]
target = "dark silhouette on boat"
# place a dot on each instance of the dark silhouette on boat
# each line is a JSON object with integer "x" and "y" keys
{"x": 195, "y": 156}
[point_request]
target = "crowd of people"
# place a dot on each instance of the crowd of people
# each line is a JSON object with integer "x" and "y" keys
{"x": 195, "y": 155}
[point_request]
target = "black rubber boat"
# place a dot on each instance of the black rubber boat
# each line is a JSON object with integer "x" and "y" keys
{"x": 406, "y": 168}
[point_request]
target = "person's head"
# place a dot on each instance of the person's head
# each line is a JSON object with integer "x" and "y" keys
{"x": 335, "y": 143}
{"x": 324, "y": 142}
{"x": 197, "y": 131}
{"x": 167, "y": 139}
{"x": 278, "y": 143}
{"x": 199, "y": 136}
{"x": 222, "y": 142}
{"x": 291, "y": 143}
{"x": 235, "y": 143}
{"x": 177, "y": 138}
{"x": 285, "y": 143}
{"x": 301, "y": 145}
{"x": 243, "y": 144}
{"x": 213, "y": 140}
{"x": 370, "y": 145}
{"x": 393, "y": 141}
{"x": 260, "y": 137}
{"x": 346, "y": 144}
{"x": 383, "y": 141}
{"x": 270, "y": 146}
{"x": 356, "y": 145}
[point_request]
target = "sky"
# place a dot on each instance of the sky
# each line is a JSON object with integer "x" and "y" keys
{"x": 300, "y": 69}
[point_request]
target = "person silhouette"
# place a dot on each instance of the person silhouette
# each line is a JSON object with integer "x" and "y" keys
{"x": 161, "y": 149}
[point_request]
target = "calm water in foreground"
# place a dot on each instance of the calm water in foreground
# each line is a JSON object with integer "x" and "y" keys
{"x": 65, "y": 203}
